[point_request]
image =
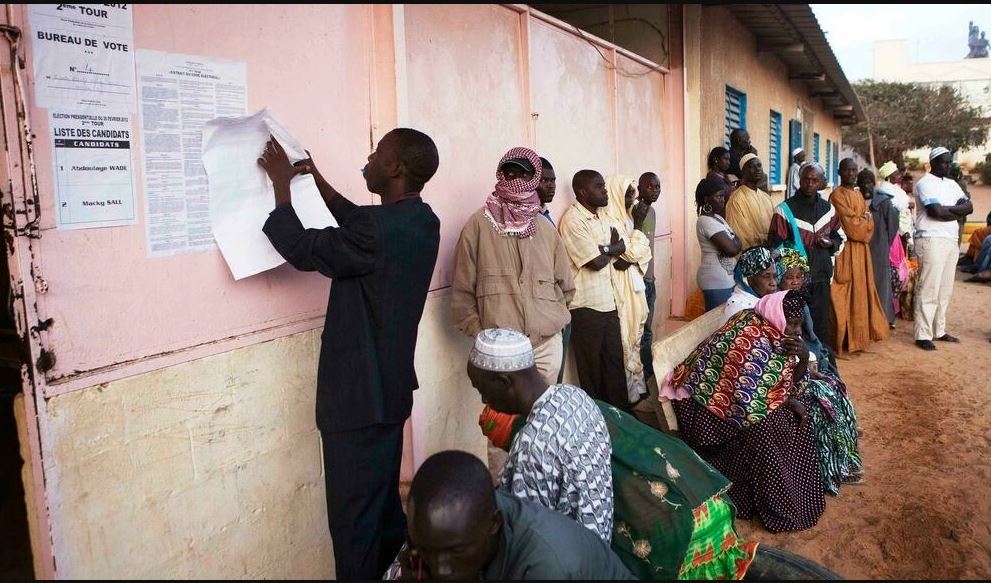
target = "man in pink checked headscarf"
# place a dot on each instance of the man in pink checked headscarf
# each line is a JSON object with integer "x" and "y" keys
{"x": 510, "y": 267}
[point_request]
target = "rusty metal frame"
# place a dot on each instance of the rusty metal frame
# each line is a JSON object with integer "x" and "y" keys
{"x": 20, "y": 212}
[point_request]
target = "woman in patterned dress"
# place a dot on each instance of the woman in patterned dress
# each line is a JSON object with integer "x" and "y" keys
{"x": 738, "y": 405}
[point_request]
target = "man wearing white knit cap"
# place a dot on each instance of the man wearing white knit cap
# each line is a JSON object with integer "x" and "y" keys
{"x": 941, "y": 204}
{"x": 561, "y": 456}
{"x": 797, "y": 157}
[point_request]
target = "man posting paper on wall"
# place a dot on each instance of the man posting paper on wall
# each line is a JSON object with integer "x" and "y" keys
{"x": 381, "y": 259}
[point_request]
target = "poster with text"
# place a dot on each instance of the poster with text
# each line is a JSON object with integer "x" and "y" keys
{"x": 83, "y": 56}
{"x": 177, "y": 95}
{"x": 94, "y": 178}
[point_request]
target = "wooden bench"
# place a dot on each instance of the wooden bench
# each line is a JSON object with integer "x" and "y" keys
{"x": 671, "y": 350}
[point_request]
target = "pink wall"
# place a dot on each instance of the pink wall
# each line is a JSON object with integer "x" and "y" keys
{"x": 111, "y": 303}
{"x": 469, "y": 75}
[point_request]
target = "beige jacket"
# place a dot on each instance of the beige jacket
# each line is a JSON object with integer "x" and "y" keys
{"x": 509, "y": 282}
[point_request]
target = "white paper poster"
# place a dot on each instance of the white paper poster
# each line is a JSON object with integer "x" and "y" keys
{"x": 178, "y": 94}
{"x": 94, "y": 180}
{"x": 242, "y": 196}
{"x": 83, "y": 56}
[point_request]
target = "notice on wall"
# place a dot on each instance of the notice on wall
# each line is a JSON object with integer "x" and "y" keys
{"x": 242, "y": 196}
{"x": 94, "y": 179}
{"x": 83, "y": 56}
{"x": 177, "y": 95}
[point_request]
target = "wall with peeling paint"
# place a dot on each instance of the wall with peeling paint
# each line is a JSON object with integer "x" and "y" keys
{"x": 208, "y": 469}
{"x": 212, "y": 468}
{"x": 175, "y": 435}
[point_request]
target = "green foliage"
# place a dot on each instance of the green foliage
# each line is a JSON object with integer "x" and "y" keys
{"x": 905, "y": 116}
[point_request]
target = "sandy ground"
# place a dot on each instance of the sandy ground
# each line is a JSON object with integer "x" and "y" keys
{"x": 925, "y": 510}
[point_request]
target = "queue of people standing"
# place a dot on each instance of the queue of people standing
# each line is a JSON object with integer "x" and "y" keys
{"x": 857, "y": 241}
{"x": 590, "y": 279}
{"x": 588, "y": 491}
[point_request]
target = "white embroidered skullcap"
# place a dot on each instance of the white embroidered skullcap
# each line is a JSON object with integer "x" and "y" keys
{"x": 887, "y": 169}
{"x": 796, "y": 151}
{"x": 502, "y": 350}
{"x": 937, "y": 151}
{"x": 746, "y": 158}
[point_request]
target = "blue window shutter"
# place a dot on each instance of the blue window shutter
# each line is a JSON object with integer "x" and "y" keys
{"x": 794, "y": 136}
{"x": 774, "y": 152}
{"x": 836, "y": 157}
{"x": 815, "y": 147}
{"x": 829, "y": 162}
{"x": 736, "y": 111}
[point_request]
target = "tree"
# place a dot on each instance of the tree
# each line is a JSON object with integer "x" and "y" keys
{"x": 905, "y": 116}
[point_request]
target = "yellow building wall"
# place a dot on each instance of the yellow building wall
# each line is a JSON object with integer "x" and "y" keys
{"x": 726, "y": 54}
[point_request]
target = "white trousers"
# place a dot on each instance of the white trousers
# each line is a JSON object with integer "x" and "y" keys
{"x": 937, "y": 269}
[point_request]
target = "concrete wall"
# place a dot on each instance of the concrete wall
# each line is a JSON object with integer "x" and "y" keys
{"x": 212, "y": 468}
{"x": 725, "y": 53}
{"x": 203, "y": 460}
{"x": 208, "y": 469}
{"x": 641, "y": 28}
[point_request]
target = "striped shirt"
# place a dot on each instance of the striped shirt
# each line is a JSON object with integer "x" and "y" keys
{"x": 583, "y": 233}
{"x": 815, "y": 218}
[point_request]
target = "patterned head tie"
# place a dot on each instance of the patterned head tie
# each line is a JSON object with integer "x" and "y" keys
{"x": 514, "y": 203}
{"x": 502, "y": 350}
{"x": 794, "y": 304}
{"x": 790, "y": 258}
{"x": 753, "y": 261}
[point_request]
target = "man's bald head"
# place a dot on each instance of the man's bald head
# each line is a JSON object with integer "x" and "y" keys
{"x": 454, "y": 477}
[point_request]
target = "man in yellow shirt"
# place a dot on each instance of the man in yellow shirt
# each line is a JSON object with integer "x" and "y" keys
{"x": 749, "y": 209}
{"x": 593, "y": 246}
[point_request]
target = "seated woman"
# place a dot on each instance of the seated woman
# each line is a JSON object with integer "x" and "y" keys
{"x": 792, "y": 270}
{"x": 755, "y": 276}
{"x": 671, "y": 515}
{"x": 834, "y": 422}
{"x": 737, "y": 400}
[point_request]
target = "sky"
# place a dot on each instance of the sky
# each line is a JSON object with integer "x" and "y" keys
{"x": 935, "y": 32}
